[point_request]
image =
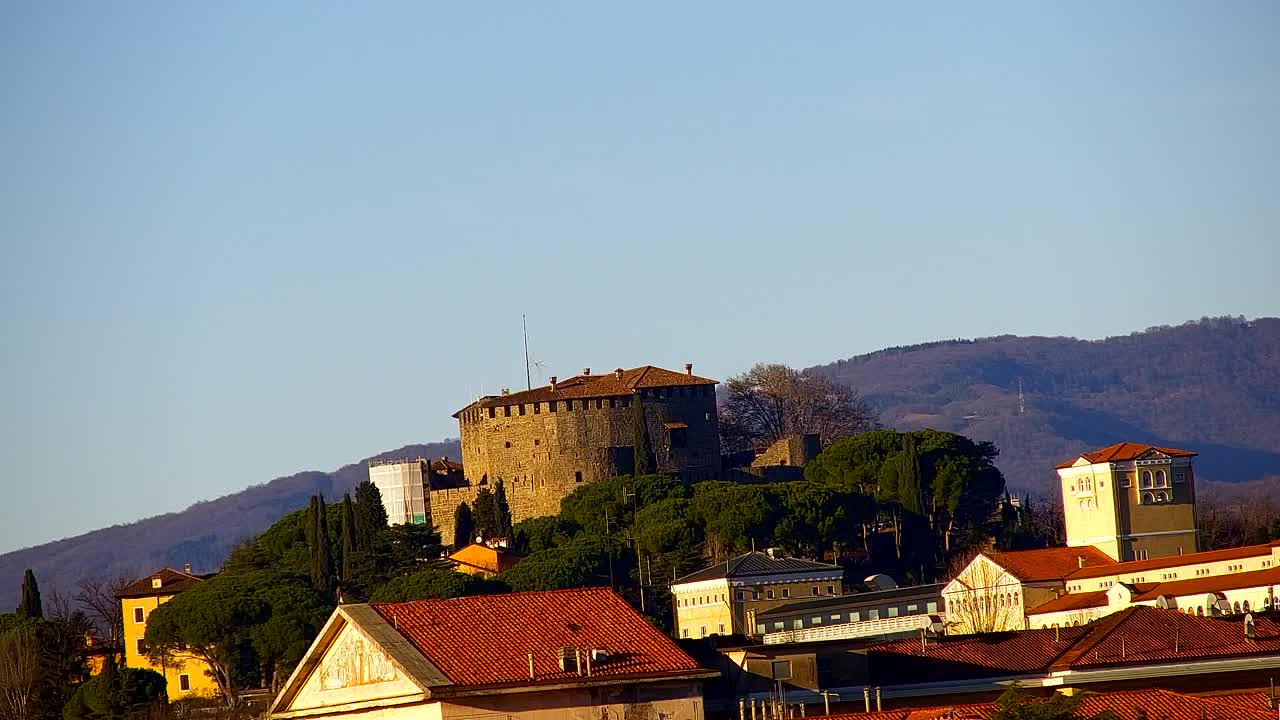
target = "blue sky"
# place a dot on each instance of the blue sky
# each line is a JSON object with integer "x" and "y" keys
{"x": 239, "y": 240}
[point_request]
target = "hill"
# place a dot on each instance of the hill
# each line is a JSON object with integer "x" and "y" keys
{"x": 1212, "y": 386}
{"x": 202, "y": 534}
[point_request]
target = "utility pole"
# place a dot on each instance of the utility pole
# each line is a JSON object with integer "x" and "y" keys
{"x": 606, "y": 532}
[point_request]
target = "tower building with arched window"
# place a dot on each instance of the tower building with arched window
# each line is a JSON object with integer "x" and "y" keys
{"x": 1131, "y": 501}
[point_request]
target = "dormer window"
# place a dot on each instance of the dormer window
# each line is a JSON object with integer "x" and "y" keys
{"x": 156, "y": 583}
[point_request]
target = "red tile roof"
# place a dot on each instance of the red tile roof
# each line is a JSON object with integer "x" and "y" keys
{"x": 171, "y": 582}
{"x": 596, "y": 386}
{"x": 1134, "y": 636}
{"x": 1125, "y": 451}
{"x": 1135, "y": 566}
{"x": 1049, "y": 563}
{"x": 487, "y": 639}
{"x": 1213, "y": 583}
{"x": 1126, "y": 705}
{"x": 1072, "y": 601}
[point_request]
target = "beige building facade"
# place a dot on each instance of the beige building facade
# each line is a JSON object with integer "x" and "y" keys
{"x": 564, "y": 655}
{"x": 725, "y": 598}
{"x": 1131, "y": 501}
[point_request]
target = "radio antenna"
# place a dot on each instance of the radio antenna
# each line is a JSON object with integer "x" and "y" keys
{"x": 528, "y": 379}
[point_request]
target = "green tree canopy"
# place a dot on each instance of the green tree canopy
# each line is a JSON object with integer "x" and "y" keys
{"x": 433, "y": 583}
{"x": 128, "y": 694}
{"x": 464, "y": 526}
{"x": 581, "y": 563}
{"x": 31, "y": 605}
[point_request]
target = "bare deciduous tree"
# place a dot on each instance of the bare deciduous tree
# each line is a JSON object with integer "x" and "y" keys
{"x": 99, "y": 596}
{"x": 19, "y": 673}
{"x": 982, "y": 597}
{"x": 772, "y": 401}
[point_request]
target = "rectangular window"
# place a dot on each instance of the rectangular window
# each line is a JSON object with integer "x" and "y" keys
{"x": 684, "y": 632}
{"x": 721, "y": 628}
{"x": 551, "y": 406}
{"x": 781, "y": 669}
{"x": 568, "y": 406}
{"x": 837, "y": 617}
{"x": 769, "y": 593}
{"x": 815, "y": 620}
{"x": 490, "y": 412}
{"x": 522, "y": 408}
{"x": 797, "y": 624}
{"x": 626, "y": 402}
{"x": 703, "y": 631}
{"x": 893, "y": 611}
{"x": 537, "y": 408}
{"x": 184, "y": 682}
{"x": 740, "y": 597}
{"x": 814, "y": 591}
{"x": 831, "y": 589}
{"x": 932, "y": 608}
{"x": 855, "y": 616}
{"x": 141, "y": 646}
{"x": 137, "y": 615}
{"x": 600, "y": 404}
{"x": 506, "y": 411}
{"x": 873, "y": 614}
{"x": 786, "y": 592}
{"x": 913, "y": 608}
{"x": 760, "y": 628}
{"x": 679, "y": 437}
{"x": 577, "y": 476}
{"x": 755, "y": 594}
{"x": 777, "y": 626}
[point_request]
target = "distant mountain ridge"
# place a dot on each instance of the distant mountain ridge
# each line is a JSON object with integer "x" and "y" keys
{"x": 202, "y": 534}
{"x": 1212, "y": 386}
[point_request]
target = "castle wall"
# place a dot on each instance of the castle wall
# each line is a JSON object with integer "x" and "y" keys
{"x": 543, "y": 451}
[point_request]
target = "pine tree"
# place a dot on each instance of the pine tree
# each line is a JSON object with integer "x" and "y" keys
{"x": 642, "y": 449}
{"x": 502, "y": 512}
{"x": 348, "y": 540}
{"x": 31, "y": 607}
{"x": 464, "y": 526}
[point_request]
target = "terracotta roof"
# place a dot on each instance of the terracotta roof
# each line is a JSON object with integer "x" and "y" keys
{"x": 594, "y": 386}
{"x": 1124, "y": 451}
{"x": 1138, "y": 635}
{"x": 1126, "y": 705}
{"x": 445, "y": 465}
{"x": 483, "y": 557}
{"x": 1072, "y": 601}
{"x": 1049, "y": 563}
{"x": 171, "y": 582}
{"x": 1212, "y": 583}
{"x": 756, "y": 564}
{"x": 1133, "y": 566}
{"x": 487, "y": 639}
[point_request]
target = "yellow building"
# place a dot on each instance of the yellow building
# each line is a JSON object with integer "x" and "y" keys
{"x": 186, "y": 676}
{"x": 725, "y": 598}
{"x": 1131, "y": 501}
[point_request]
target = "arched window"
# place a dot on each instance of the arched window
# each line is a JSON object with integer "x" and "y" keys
{"x": 1236, "y": 607}
{"x": 1075, "y": 623}
{"x": 1146, "y": 478}
{"x": 1160, "y": 478}
{"x": 1148, "y": 498}
{"x": 1246, "y": 606}
{"x": 1200, "y": 610}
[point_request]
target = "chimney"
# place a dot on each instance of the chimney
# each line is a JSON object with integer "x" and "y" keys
{"x": 506, "y": 391}
{"x": 1080, "y": 559}
{"x": 187, "y": 568}
{"x": 688, "y": 368}
{"x": 586, "y": 371}
{"x": 618, "y": 373}
{"x": 553, "y": 382}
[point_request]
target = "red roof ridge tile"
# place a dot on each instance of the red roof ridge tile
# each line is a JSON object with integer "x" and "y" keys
{"x": 1099, "y": 630}
{"x": 1171, "y": 561}
{"x": 1124, "y": 451}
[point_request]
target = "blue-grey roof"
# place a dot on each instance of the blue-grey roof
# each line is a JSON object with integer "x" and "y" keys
{"x": 755, "y": 564}
{"x": 854, "y": 601}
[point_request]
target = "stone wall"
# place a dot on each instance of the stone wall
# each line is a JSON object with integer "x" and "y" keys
{"x": 543, "y": 451}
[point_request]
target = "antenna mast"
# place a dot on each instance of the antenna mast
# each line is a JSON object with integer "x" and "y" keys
{"x": 528, "y": 379}
{"x": 1022, "y": 403}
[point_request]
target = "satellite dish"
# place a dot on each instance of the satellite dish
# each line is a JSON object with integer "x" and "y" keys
{"x": 881, "y": 582}
{"x": 1162, "y": 602}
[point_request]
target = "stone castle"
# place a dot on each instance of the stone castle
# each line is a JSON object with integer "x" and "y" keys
{"x": 545, "y": 442}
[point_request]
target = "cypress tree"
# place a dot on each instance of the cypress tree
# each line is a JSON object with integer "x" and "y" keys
{"x": 909, "y": 477}
{"x": 321, "y": 558}
{"x": 486, "y": 514}
{"x": 371, "y": 516}
{"x": 464, "y": 526}
{"x": 31, "y": 606}
{"x": 642, "y": 448}
{"x": 348, "y": 539}
{"x": 502, "y": 512}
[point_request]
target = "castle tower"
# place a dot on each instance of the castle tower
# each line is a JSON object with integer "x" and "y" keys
{"x": 1131, "y": 501}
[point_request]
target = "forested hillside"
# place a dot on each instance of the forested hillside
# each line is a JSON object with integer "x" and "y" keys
{"x": 202, "y": 534}
{"x": 1211, "y": 386}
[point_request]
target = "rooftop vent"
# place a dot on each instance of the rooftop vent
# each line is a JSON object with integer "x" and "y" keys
{"x": 586, "y": 371}
{"x": 688, "y": 368}
{"x": 598, "y": 655}
{"x": 553, "y": 382}
{"x": 187, "y": 568}
{"x": 506, "y": 391}
{"x": 772, "y": 553}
